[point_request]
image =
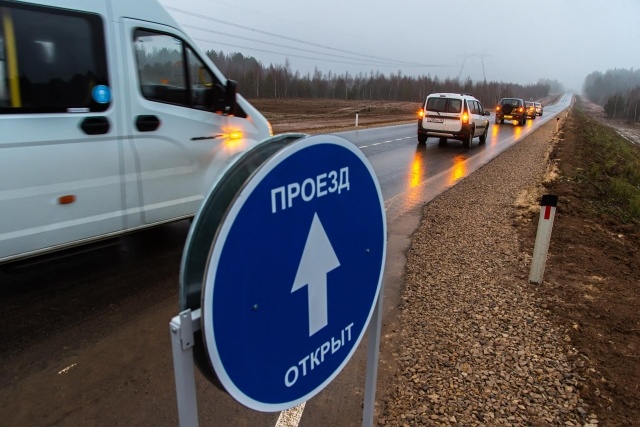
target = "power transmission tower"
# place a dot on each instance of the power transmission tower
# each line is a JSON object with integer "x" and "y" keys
{"x": 473, "y": 55}
{"x": 464, "y": 60}
{"x": 482, "y": 56}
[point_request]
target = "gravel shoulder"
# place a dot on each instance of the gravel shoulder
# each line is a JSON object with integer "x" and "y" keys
{"x": 474, "y": 344}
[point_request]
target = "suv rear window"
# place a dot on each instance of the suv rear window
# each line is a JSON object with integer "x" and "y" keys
{"x": 511, "y": 101}
{"x": 444, "y": 105}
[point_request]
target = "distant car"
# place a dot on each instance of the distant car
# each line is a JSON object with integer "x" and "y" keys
{"x": 531, "y": 110}
{"x": 454, "y": 116}
{"x": 539, "y": 108}
{"x": 511, "y": 109}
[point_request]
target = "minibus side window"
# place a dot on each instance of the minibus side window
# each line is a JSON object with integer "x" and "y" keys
{"x": 51, "y": 61}
{"x": 160, "y": 60}
{"x": 171, "y": 72}
{"x": 201, "y": 81}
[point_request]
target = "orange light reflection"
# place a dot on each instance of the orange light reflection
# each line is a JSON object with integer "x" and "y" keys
{"x": 459, "y": 169}
{"x": 416, "y": 171}
{"x": 495, "y": 130}
{"x": 517, "y": 132}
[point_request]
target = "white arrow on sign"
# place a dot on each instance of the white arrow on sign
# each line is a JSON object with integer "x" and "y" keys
{"x": 318, "y": 259}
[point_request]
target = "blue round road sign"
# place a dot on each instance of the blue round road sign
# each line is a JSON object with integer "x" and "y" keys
{"x": 294, "y": 273}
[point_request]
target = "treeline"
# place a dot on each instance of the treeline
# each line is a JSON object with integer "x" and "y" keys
{"x": 618, "y": 91}
{"x": 279, "y": 81}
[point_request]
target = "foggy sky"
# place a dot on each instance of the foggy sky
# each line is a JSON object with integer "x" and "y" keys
{"x": 517, "y": 41}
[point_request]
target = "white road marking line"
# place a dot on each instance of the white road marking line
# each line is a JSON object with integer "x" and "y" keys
{"x": 66, "y": 370}
{"x": 385, "y": 142}
{"x": 290, "y": 417}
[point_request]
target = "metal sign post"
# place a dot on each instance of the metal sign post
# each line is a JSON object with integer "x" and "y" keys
{"x": 182, "y": 328}
{"x": 373, "y": 356}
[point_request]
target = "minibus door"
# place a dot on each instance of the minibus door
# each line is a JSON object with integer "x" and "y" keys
{"x": 178, "y": 142}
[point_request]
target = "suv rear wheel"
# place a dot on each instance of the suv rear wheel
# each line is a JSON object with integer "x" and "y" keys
{"x": 483, "y": 137}
{"x": 422, "y": 138}
{"x": 466, "y": 143}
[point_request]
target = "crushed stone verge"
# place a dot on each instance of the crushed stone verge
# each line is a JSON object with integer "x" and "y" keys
{"x": 475, "y": 344}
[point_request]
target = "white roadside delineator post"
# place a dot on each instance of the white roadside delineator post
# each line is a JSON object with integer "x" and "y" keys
{"x": 543, "y": 237}
{"x": 356, "y": 119}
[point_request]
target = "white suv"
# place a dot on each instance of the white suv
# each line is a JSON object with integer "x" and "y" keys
{"x": 453, "y": 116}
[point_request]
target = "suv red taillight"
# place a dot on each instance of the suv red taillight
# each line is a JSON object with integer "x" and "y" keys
{"x": 465, "y": 118}
{"x": 498, "y": 108}
{"x": 520, "y": 109}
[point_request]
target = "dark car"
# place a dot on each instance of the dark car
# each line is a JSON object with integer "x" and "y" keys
{"x": 511, "y": 109}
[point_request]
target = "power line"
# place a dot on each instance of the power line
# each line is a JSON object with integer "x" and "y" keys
{"x": 350, "y": 58}
{"x": 293, "y": 55}
{"x": 280, "y": 18}
{"x": 243, "y": 27}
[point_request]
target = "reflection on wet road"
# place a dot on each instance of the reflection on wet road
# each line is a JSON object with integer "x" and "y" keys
{"x": 459, "y": 170}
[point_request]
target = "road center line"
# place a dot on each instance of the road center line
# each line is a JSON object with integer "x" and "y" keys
{"x": 290, "y": 417}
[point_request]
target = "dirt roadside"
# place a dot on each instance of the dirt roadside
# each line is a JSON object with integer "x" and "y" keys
{"x": 592, "y": 280}
{"x": 333, "y": 115}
